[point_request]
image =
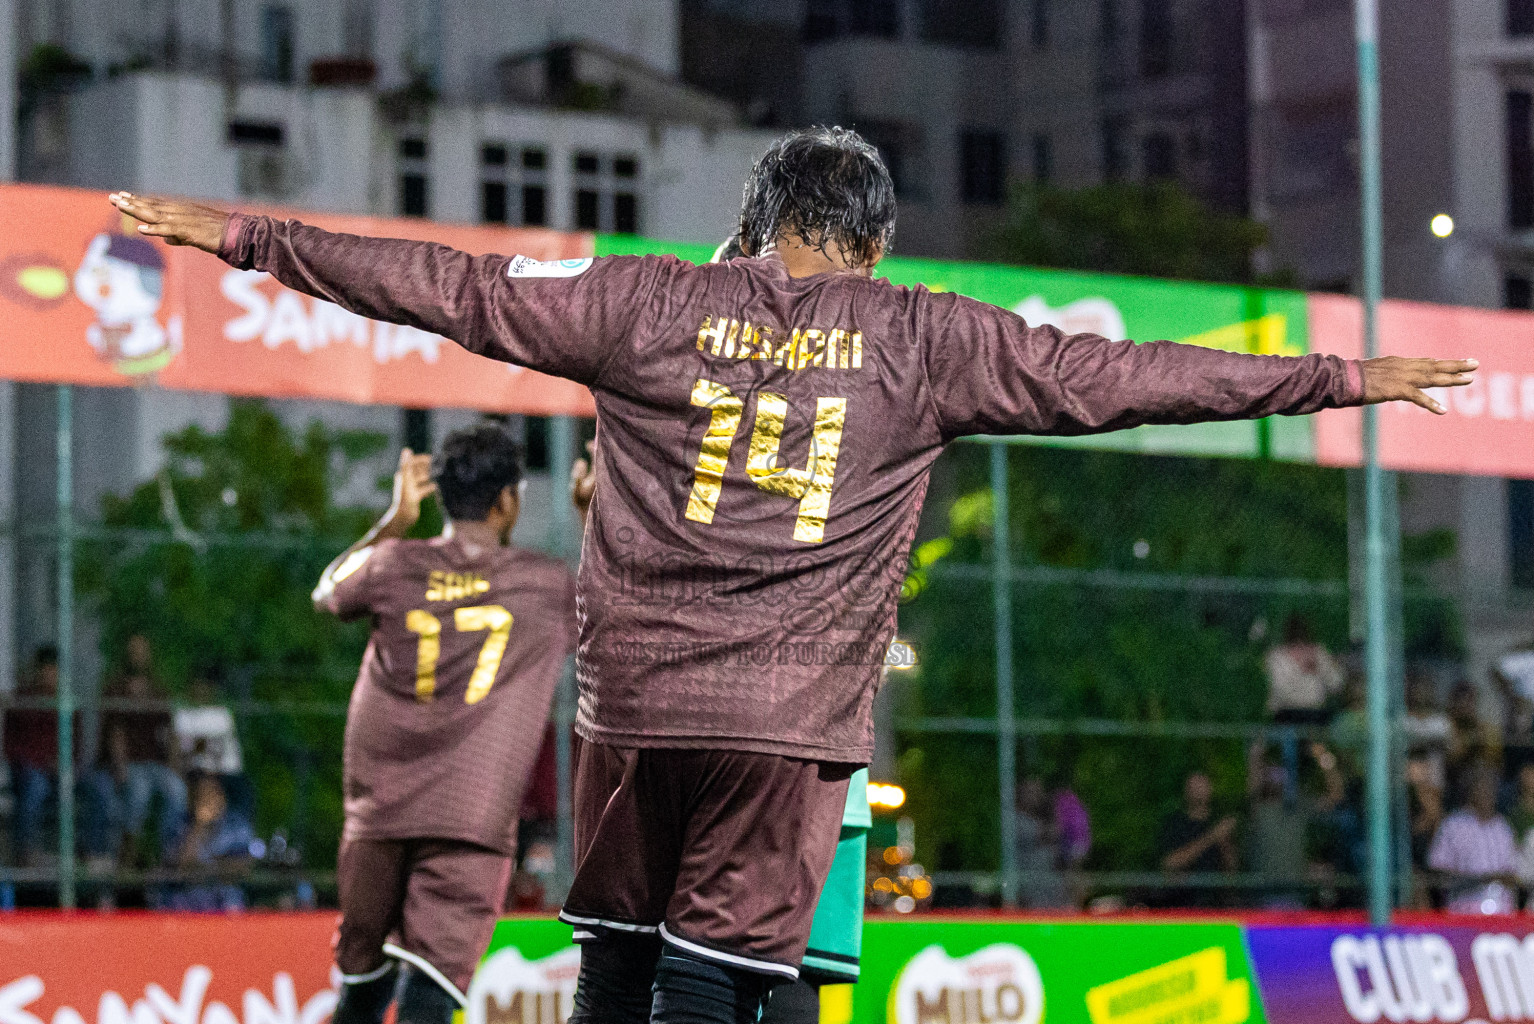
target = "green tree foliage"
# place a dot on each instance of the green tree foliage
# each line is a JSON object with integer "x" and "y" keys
{"x": 253, "y": 518}
{"x": 1142, "y": 655}
{"x": 1157, "y": 229}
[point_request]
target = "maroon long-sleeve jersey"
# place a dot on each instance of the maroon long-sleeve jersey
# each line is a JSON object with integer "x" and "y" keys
{"x": 765, "y": 446}
{"x": 450, "y": 705}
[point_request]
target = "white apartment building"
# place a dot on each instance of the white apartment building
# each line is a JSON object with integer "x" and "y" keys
{"x": 538, "y": 112}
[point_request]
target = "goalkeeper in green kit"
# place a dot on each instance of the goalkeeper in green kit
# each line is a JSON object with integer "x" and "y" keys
{"x": 836, "y": 936}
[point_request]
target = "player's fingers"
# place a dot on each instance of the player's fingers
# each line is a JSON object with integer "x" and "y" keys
{"x": 405, "y": 455}
{"x": 1456, "y": 365}
{"x": 136, "y": 208}
{"x": 170, "y": 232}
{"x": 1449, "y": 380}
{"x": 1418, "y": 397}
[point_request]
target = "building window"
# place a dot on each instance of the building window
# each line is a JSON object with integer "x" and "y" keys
{"x": 1038, "y": 29}
{"x": 1108, "y": 22}
{"x": 513, "y": 185}
{"x": 1155, "y": 38}
{"x": 261, "y": 162}
{"x": 1520, "y": 17}
{"x": 606, "y": 196}
{"x": 1160, "y": 157}
{"x": 535, "y": 188}
{"x": 829, "y": 19}
{"x": 1520, "y": 158}
{"x": 1517, "y": 292}
{"x": 536, "y": 442}
{"x": 625, "y": 201}
{"x": 877, "y": 18}
{"x": 976, "y": 23}
{"x": 277, "y": 43}
{"x": 1043, "y": 158}
{"x": 1520, "y": 531}
{"x": 983, "y": 156}
{"x": 899, "y": 146}
{"x": 1115, "y": 157}
{"x": 414, "y": 197}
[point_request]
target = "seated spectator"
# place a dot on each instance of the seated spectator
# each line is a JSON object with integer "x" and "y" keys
{"x": 1472, "y": 740}
{"x": 1350, "y": 727}
{"x": 1474, "y": 854}
{"x": 1521, "y": 817}
{"x": 1193, "y": 839}
{"x": 32, "y": 748}
{"x": 1073, "y": 824}
{"x": 1427, "y": 730}
{"x": 137, "y": 753}
{"x": 1513, "y": 676}
{"x": 1302, "y": 677}
{"x": 217, "y": 848}
{"x": 1042, "y": 886}
{"x": 1280, "y": 829}
{"x": 205, "y": 732}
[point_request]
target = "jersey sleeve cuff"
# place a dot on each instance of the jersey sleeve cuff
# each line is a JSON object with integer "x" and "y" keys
{"x": 229, "y": 245}
{"x": 1355, "y": 382}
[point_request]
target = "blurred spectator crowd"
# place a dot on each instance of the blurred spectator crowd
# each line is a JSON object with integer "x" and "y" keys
{"x": 160, "y": 794}
{"x": 165, "y": 810}
{"x": 1295, "y": 838}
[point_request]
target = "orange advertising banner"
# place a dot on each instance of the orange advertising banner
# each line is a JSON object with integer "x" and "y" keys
{"x": 1489, "y": 427}
{"x": 85, "y": 300}
{"x": 132, "y": 968}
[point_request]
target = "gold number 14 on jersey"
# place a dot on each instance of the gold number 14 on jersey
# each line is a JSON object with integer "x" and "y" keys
{"x": 810, "y": 485}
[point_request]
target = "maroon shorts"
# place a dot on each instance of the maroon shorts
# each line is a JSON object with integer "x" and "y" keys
{"x": 722, "y": 852}
{"x": 431, "y": 903}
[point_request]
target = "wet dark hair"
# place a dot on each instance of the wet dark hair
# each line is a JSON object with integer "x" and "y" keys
{"x": 826, "y": 185}
{"x": 475, "y": 465}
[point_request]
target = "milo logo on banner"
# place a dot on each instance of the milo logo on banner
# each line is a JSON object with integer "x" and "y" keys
{"x": 510, "y": 989}
{"x": 999, "y": 984}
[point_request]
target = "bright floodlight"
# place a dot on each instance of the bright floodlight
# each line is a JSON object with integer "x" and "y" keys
{"x": 1442, "y": 225}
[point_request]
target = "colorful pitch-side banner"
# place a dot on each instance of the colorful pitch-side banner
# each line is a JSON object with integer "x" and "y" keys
{"x": 936, "y": 971}
{"x": 1454, "y": 971}
{"x": 132, "y": 968}
{"x": 85, "y": 301}
{"x": 1259, "y": 320}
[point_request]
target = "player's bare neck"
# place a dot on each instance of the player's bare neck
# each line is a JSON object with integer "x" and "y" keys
{"x": 803, "y": 259}
{"x": 485, "y": 535}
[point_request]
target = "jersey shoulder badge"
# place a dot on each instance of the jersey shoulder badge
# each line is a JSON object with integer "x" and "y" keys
{"x": 524, "y": 266}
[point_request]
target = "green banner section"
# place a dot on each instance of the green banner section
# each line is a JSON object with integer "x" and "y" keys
{"x": 947, "y": 971}
{"x": 930, "y": 971}
{"x": 1258, "y": 320}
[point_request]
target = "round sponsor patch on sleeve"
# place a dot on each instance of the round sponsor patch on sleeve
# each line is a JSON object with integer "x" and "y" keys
{"x": 523, "y": 266}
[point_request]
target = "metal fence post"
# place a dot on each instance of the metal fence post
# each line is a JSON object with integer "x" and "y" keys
{"x": 566, "y": 544}
{"x": 1376, "y": 492}
{"x": 1006, "y": 715}
{"x": 66, "y": 629}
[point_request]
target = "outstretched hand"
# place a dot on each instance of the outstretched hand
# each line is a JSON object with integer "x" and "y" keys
{"x": 176, "y": 221}
{"x": 1397, "y": 379}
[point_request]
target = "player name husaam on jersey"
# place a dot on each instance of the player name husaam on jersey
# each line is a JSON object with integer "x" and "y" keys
{"x": 832, "y": 349}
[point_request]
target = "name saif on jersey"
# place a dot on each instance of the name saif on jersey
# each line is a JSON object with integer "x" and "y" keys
{"x": 730, "y": 338}
{"x": 455, "y": 586}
